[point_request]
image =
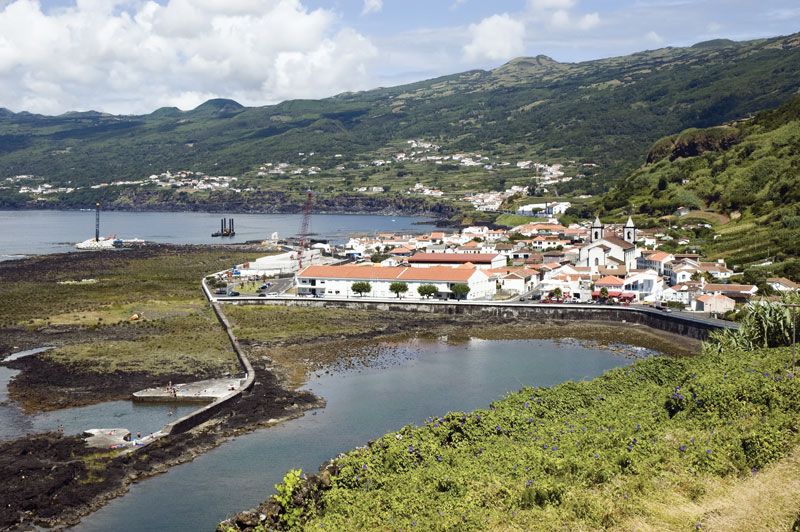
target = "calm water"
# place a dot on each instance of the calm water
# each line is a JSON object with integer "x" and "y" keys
{"x": 116, "y": 414}
{"x": 38, "y": 232}
{"x": 432, "y": 379}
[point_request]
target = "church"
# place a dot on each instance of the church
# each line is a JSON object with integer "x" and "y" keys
{"x": 609, "y": 250}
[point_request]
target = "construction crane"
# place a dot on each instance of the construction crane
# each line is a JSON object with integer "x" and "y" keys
{"x": 304, "y": 229}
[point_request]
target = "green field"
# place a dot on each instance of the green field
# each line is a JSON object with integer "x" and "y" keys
{"x": 174, "y": 330}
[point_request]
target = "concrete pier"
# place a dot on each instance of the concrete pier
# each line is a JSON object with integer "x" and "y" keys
{"x": 206, "y": 391}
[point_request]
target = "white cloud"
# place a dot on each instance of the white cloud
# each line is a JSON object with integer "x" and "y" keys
{"x": 122, "y": 56}
{"x": 654, "y": 37}
{"x": 372, "y": 6}
{"x": 495, "y": 38}
{"x": 589, "y": 21}
{"x": 561, "y": 19}
{"x": 550, "y": 4}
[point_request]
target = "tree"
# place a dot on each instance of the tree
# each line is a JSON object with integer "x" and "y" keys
{"x": 361, "y": 288}
{"x": 556, "y": 294}
{"x": 604, "y": 293}
{"x": 460, "y": 290}
{"x": 427, "y": 290}
{"x": 398, "y": 287}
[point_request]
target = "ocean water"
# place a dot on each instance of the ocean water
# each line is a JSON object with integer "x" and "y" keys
{"x": 39, "y": 232}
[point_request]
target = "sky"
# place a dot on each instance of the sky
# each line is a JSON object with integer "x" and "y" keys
{"x": 134, "y": 56}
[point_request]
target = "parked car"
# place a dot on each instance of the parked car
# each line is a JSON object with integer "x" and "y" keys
{"x": 220, "y": 291}
{"x": 233, "y": 293}
{"x": 262, "y": 294}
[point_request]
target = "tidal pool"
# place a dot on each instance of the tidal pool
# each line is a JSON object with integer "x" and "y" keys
{"x": 416, "y": 380}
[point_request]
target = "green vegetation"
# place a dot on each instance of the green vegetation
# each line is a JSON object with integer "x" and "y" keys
{"x": 278, "y": 322}
{"x": 742, "y": 179}
{"x": 513, "y": 220}
{"x": 460, "y": 290}
{"x": 427, "y": 290}
{"x": 361, "y": 287}
{"x": 398, "y": 287}
{"x": 144, "y": 310}
{"x": 652, "y": 446}
{"x": 606, "y": 111}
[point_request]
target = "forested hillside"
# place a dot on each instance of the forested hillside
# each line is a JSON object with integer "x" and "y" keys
{"x": 605, "y": 111}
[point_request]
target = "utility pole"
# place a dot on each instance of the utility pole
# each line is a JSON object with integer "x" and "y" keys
{"x": 97, "y": 222}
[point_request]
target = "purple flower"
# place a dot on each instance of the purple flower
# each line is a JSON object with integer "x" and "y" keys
{"x": 528, "y": 484}
{"x": 527, "y": 404}
{"x": 364, "y": 466}
{"x": 708, "y": 451}
{"x": 545, "y": 446}
{"x": 438, "y": 458}
{"x": 554, "y": 448}
{"x": 411, "y": 448}
{"x": 682, "y": 448}
{"x": 498, "y": 429}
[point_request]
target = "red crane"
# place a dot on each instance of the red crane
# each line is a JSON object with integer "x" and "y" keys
{"x": 304, "y": 229}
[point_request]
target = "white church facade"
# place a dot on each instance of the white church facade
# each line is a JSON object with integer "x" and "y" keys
{"x": 609, "y": 250}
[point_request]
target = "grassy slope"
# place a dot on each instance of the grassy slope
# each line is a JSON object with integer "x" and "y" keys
{"x": 177, "y": 332}
{"x": 757, "y": 176}
{"x": 661, "y": 444}
{"x": 607, "y": 110}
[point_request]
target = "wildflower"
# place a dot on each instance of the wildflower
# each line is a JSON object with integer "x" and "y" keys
{"x": 498, "y": 429}
{"x": 528, "y": 484}
{"x": 708, "y": 451}
{"x": 411, "y": 448}
{"x": 682, "y": 448}
{"x": 438, "y": 458}
{"x": 545, "y": 446}
{"x": 554, "y": 448}
{"x": 596, "y": 455}
{"x": 527, "y": 404}
{"x": 364, "y": 467}
{"x": 692, "y": 440}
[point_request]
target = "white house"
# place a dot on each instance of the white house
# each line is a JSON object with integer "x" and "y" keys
{"x": 337, "y": 281}
{"x": 714, "y": 304}
{"x": 782, "y": 284}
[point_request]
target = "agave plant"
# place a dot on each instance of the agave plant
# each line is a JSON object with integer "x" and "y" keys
{"x": 765, "y": 324}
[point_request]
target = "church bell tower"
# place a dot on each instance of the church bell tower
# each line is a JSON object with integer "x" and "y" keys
{"x": 597, "y": 230}
{"x": 629, "y": 231}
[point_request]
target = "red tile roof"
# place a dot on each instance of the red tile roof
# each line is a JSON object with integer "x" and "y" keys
{"x": 453, "y": 258}
{"x": 380, "y": 273}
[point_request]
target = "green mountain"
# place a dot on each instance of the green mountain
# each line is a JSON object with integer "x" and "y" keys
{"x": 746, "y": 171}
{"x": 607, "y": 111}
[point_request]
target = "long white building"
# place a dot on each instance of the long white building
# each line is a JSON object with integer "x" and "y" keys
{"x": 337, "y": 281}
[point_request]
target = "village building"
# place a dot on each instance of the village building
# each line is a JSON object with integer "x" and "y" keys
{"x": 337, "y": 281}
{"x": 738, "y": 292}
{"x": 484, "y": 261}
{"x": 604, "y": 249}
{"x": 714, "y": 304}
{"x": 782, "y": 284}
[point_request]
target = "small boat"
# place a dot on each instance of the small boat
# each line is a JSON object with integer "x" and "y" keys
{"x": 104, "y": 242}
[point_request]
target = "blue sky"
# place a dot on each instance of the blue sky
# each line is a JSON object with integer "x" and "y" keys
{"x": 131, "y": 56}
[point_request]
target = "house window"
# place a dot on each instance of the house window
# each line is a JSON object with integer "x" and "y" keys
{"x": 597, "y": 262}
{"x": 596, "y": 235}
